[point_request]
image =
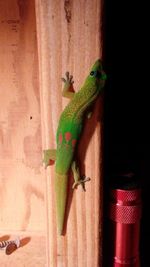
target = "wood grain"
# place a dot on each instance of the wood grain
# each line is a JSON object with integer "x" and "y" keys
{"x": 69, "y": 39}
{"x": 22, "y": 185}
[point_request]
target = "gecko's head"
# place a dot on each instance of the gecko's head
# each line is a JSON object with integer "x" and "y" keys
{"x": 97, "y": 76}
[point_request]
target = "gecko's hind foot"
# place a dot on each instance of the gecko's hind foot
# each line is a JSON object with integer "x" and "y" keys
{"x": 81, "y": 182}
{"x": 49, "y": 157}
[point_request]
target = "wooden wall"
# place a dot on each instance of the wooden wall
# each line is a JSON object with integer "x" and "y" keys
{"x": 22, "y": 206}
{"x": 37, "y": 45}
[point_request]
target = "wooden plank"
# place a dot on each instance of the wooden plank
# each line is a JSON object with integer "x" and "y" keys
{"x": 22, "y": 206}
{"x": 69, "y": 39}
{"x": 21, "y": 180}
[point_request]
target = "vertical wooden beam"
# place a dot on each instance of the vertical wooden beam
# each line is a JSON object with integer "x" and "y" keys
{"x": 69, "y": 38}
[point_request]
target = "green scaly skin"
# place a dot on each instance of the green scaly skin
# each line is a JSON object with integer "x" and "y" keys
{"x": 68, "y": 133}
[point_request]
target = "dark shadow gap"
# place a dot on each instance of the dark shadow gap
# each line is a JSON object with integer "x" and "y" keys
{"x": 126, "y": 108}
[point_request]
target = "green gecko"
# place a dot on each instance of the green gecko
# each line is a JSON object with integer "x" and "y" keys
{"x": 68, "y": 133}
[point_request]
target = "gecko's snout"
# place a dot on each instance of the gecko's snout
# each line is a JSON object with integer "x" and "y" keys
{"x": 98, "y": 61}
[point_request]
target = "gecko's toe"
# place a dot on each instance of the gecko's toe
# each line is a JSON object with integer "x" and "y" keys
{"x": 70, "y": 78}
{"x": 63, "y": 79}
{"x": 67, "y": 75}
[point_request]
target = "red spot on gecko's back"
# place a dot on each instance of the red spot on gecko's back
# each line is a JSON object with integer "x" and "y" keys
{"x": 60, "y": 138}
{"x": 74, "y": 142}
{"x": 67, "y": 136}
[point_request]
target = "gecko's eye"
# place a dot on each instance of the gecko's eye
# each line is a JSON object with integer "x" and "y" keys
{"x": 93, "y": 73}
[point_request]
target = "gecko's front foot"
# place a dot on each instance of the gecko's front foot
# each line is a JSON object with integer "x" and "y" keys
{"x": 68, "y": 80}
{"x": 68, "y": 90}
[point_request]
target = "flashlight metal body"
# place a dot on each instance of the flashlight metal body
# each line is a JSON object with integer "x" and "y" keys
{"x": 125, "y": 214}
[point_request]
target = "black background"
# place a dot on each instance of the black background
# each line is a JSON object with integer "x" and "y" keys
{"x": 127, "y": 105}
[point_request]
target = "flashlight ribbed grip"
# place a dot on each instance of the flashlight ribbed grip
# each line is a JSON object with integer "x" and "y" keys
{"x": 125, "y": 214}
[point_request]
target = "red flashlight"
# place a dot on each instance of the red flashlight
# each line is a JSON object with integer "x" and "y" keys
{"x": 125, "y": 215}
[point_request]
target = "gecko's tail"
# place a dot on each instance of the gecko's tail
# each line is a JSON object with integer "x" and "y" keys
{"x": 61, "y": 182}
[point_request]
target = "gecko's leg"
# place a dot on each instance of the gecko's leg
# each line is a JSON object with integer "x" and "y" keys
{"x": 77, "y": 178}
{"x": 68, "y": 90}
{"x": 49, "y": 156}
